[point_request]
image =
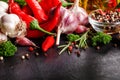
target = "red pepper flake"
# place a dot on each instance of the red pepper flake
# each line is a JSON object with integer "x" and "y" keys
{"x": 27, "y": 56}
{"x": 31, "y": 49}
{"x": 112, "y": 3}
{"x": 70, "y": 48}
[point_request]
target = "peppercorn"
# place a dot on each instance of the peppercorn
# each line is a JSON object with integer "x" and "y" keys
{"x": 37, "y": 54}
{"x": 22, "y": 57}
{"x": 70, "y": 48}
{"x": 110, "y": 17}
{"x": 27, "y": 56}
{"x": 115, "y": 45}
{"x": 78, "y": 53}
{"x": 1, "y": 58}
{"x": 31, "y": 49}
{"x": 76, "y": 46}
{"x": 98, "y": 47}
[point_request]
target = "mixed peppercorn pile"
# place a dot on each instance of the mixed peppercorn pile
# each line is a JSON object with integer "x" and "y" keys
{"x": 106, "y": 16}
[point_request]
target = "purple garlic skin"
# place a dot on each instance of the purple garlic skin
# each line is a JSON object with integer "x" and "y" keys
{"x": 72, "y": 20}
{"x": 68, "y": 22}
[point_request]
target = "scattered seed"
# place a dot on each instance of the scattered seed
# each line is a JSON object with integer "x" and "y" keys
{"x": 76, "y": 46}
{"x": 77, "y": 52}
{"x": 27, "y": 56}
{"x": 72, "y": 43}
{"x": 110, "y": 17}
{"x": 78, "y": 55}
{"x": 98, "y": 47}
{"x": 70, "y": 48}
{"x": 31, "y": 49}
{"x": 115, "y": 45}
{"x": 1, "y": 58}
{"x": 22, "y": 57}
{"x": 37, "y": 54}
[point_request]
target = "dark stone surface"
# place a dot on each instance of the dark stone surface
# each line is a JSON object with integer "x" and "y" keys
{"x": 103, "y": 64}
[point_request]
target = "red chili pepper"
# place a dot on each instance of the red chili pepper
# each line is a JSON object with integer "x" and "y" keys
{"x": 51, "y": 24}
{"x": 26, "y": 9}
{"x": 48, "y": 26}
{"x": 48, "y": 43}
{"x": 47, "y": 5}
{"x": 31, "y": 22}
{"x": 37, "y": 10}
{"x": 112, "y": 4}
{"x": 34, "y": 34}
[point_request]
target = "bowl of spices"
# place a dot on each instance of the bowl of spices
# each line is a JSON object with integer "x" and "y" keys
{"x": 105, "y": 21}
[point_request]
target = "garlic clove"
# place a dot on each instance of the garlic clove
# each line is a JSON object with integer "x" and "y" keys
{"x": 12, "y": 25}
{"x": 3, "y": 37}
{"x": 1, "y": 14}
{"x": 10, "y": 18}
{"x": 3, "y": 6}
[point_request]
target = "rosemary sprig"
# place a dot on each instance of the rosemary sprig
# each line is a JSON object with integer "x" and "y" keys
{"x": 82, "y": 40}
{"x": 65, "y": 47}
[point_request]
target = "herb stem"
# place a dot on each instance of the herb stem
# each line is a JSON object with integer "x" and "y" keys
{"x": 66, "y": 47}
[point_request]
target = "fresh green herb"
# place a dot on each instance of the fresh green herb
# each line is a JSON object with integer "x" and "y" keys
{"x": 101, "y": 37}
{"x": 4, "y": 0}
{"x": 21, "y": 2}
{"x": 82, "y": 40}
{"x": 72, "y": 37}
{"x": 7, "y": 49}
{"x": 64, "y": 47}
{"x": 65, "y": 3}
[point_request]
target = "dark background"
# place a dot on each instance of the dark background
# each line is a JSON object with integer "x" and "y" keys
{"x": 103, "y": 64}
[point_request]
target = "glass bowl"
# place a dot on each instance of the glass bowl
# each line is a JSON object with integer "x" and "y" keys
{"x": 103, "y": 26}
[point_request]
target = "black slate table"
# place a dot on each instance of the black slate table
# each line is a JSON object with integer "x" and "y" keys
{"x": 103, "y": 64}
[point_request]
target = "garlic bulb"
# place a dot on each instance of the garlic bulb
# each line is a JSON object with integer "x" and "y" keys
{"x": 1, "y": 14}
{"x": 12, "y": 26}
{"x": 80, "y": 13}
{"x": 3, "y": 37}
{"x": 3, "y": 6}
{"x": 73, "y": 19}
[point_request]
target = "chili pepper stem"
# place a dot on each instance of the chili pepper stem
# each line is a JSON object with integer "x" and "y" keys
{"x": 34, "y": 26}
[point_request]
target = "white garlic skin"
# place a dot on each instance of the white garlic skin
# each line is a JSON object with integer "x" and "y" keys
{"x": 3, "y": 6}
{"x": 1, "y": 14}
{"x": 3, "y": 38}
{"x": 9, "y": 22}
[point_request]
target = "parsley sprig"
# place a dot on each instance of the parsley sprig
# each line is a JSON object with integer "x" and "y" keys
{"x": 101, "y": 38}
